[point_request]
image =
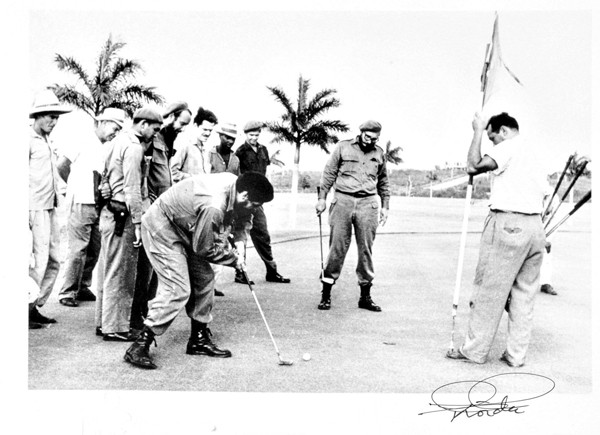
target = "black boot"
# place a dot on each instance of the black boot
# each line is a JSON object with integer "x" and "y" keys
{"x": 138, "y": 353}
{"x": 36, "y": 317}
{"x": 33, "y": 324}
{"x": 365, "y": 300}
{"x": 274, "y": 276}
{"x": 200, "y": 344}
{"x": 325, "y": 303}
{"x": 240, "y": 278}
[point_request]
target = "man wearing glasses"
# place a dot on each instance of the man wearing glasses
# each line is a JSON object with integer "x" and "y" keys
{"x": 361, "y": 201}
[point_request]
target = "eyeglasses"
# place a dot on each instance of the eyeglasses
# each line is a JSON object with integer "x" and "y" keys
{"x": 370, "y": 138}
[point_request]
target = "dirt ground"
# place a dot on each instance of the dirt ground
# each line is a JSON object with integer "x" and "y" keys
{"x": 376, "y": 359}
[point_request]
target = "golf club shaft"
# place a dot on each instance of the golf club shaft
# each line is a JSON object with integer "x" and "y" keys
{"x": 575, "y": 178}
{"x": 320, "y": 234}
{"x": 577, "y": 206}
{"x": 558, "y": 183}
{"x": 261, "y": 312}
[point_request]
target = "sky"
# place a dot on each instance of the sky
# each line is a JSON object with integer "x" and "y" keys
{"x": 415, "y": 71}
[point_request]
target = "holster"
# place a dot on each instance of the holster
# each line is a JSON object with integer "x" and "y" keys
{"x": 99, "y": 179}
{"x": 121, "y": 213}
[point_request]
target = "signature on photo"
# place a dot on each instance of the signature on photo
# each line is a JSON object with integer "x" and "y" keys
{"x": 484, "y": 398}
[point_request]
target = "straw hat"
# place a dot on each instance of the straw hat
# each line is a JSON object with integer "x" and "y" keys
{"x": 228, "y": 130}
{"x": 46, "y": 102}
{"x": 113, "y": 114}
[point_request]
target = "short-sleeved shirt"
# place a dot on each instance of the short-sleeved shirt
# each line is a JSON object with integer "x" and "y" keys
{"x": 217, "y": 163}
{"x": 43, "y": 174}
{"x": 356, "y": 172}
{"x": 86, "y": 156}
{"x": 518, "y": 184}
{"x": 253, "y": 161}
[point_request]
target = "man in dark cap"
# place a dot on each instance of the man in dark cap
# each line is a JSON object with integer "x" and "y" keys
{"x": 361, "y": 201}
{"x": 254, "y": 157}
{"x": 120, "y": 223}
{"x": 184, "y": 231}
{"x": 176, "y": 118}
{"x": 43, "y": 199}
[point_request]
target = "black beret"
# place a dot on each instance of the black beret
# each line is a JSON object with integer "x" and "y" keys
{"x": 259, "y": 188}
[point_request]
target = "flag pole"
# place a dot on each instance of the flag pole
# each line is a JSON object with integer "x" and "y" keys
{"x": 468, "y": 196}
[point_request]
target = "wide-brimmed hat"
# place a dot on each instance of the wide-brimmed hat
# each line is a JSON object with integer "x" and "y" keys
{"x": 113, "y": 114}
{"x": 228, "y": 130}
{"x": 47, "y": 102}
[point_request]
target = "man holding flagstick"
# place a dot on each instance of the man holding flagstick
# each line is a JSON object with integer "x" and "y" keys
{"x": 512, "y": 242}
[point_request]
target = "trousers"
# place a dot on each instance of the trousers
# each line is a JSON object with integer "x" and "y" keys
{"x": 261, "y": 239}
{"x": 118, "y": 277}
{"x": 510, "y": 258}
{"x": 184, "y": 279}
{"x": 45, "y": 233}
{"x": 345, "y": 214}
{"x": 83, "y": 230}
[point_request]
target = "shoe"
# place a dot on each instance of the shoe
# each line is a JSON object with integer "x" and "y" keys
{"x": 505, "y": 359}
{"x": 120, "y": 336}
{"x": 241, "y": 279}
{"x": 219, "y": 293}
{"x": 138, "y": 353}
{"x": 275, "y": 277}
{"x": 325, "y": 303}
{"x": 548, "y": 289}
{"x": 366, "y": 303}
{"x": 99, "y": 331}
{"x": 86, "y": 296}
{"x": 68, "y": 302}
{"x": 200, "y": 343}
{"x": 37, "y": 317}
{"x": 457, "y": 355}
{"x": 34, "y": 325}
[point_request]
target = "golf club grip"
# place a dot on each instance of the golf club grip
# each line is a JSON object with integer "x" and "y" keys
{"x": 318, "y": 191}
{"x": 579, "y": 172}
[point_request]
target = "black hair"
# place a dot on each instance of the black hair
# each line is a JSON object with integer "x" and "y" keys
{"x": 204, "y": 115}
{"x": 502, "y": 119}
{"x": 259, "y": 188}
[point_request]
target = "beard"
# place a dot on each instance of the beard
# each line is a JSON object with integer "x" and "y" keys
{"x": 169, "y": 134}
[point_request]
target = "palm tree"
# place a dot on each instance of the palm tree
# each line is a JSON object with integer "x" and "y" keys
{"x": 110, "y": 86}
{"x": 392, "y": 155}
{"x": 301, "y": 124}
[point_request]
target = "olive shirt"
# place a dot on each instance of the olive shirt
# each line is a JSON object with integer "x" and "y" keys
{"x": 253, "y": 161}
{"x": 356, "y": 172}
{"x": 159, "y": 176}
{"x": 217, "y": 163}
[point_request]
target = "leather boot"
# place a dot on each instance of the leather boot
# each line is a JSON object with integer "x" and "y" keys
{"x": 138, "y": 353}
{"x": 32, "y": 324}
{"x": 200, "y": 343}
{"x": 365, "y": 300}
{"x": 325, "y": 303}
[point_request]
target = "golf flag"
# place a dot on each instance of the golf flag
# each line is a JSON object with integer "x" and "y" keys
{"x": 496, "y": 76}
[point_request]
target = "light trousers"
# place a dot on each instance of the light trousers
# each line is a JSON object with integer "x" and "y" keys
{"x": 45, "y": 232}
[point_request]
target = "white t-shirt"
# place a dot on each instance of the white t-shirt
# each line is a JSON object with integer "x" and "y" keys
{"x": 86, "y": 155}
{"x": 519, "y": 183}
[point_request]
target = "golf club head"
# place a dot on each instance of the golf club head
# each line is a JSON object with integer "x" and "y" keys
{"x": 283, "y": 362}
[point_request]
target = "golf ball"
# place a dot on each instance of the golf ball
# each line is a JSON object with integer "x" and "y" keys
{"x": 306, "y": 357}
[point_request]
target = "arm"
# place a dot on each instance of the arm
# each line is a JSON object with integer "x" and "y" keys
{"x": 383, "y": 190}
{"x": 328, "y": 178}
{"x": 64, "y": 167}
{"x": 177, "y": 162}
{"x": 132, "y": 186}
{"x": 207, "y": 242}
{"x": 475, "y": 163}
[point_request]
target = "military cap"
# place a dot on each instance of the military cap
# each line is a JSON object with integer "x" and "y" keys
{"x": 149, "y": 114}
{"x": 253, "y": 125}
{"x": 259, "y": 188}
{"x": 178, "y": 106}
{"x": 373, "y": 126}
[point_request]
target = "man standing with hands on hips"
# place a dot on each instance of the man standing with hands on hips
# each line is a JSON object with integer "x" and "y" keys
{"x": 357, "y": 170}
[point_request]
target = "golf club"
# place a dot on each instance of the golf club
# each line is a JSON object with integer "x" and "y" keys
{"x": 576, "y": 207}
{"x": 558, "y": 183}
{"x": 461, "y": 256}
{"x": 282, "y": 362}
{"x": 320, "y": 234}
{"x": 575, "y": 178}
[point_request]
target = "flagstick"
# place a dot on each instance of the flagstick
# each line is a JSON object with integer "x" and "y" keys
{"x": 461, "y": 256}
